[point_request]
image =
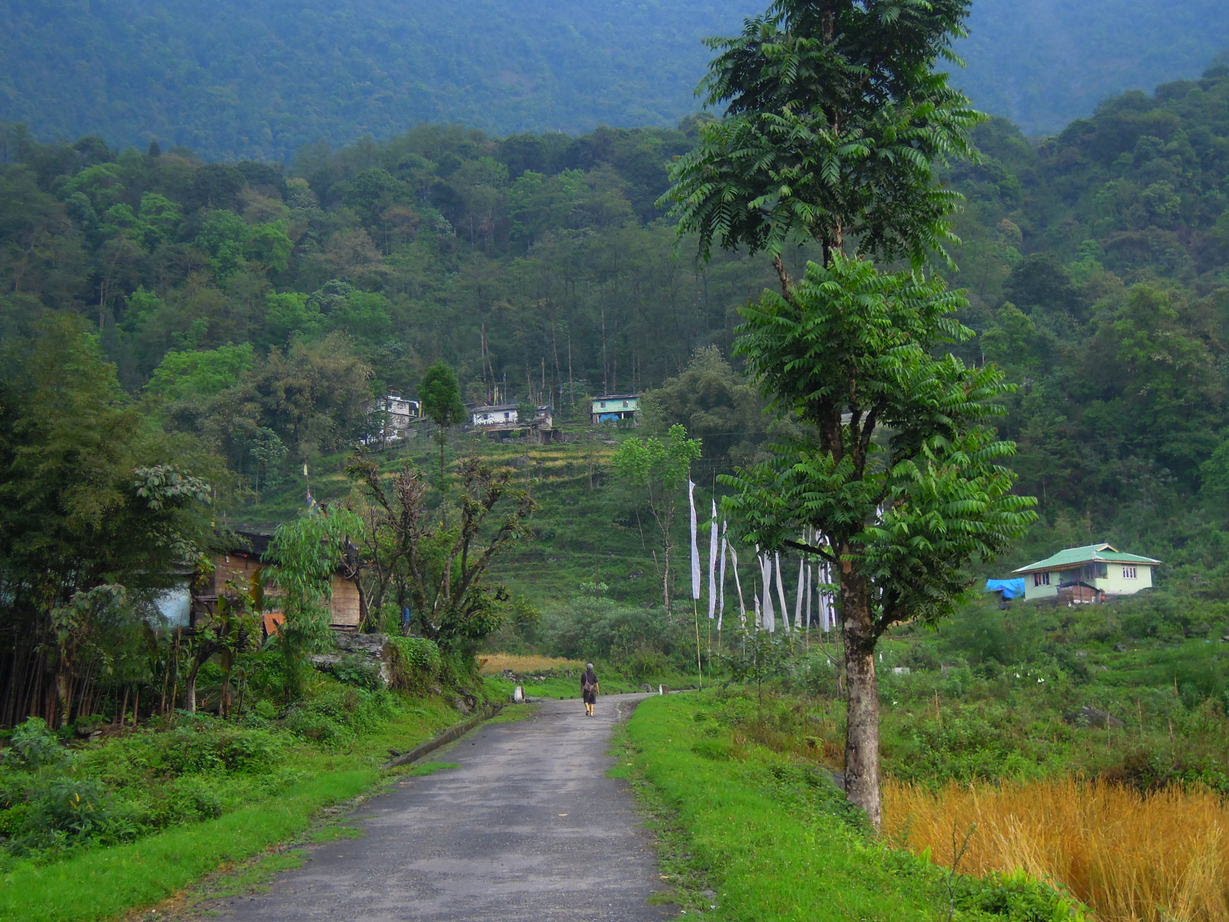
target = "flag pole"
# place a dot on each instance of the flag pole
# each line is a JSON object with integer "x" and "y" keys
{"x": 695, "y": 607}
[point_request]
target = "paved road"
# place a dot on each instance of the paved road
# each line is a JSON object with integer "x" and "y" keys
{"x": 528, "y": 829}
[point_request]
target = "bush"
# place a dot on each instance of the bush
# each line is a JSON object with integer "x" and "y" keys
{"x": 357, "y": 670}
{"x": 416, "y": 663}
{"x": 33, "y": 745}
{"x": 186, "y": 799}
{"x": 62, "y": 811}
{"x": 335, "y": 714}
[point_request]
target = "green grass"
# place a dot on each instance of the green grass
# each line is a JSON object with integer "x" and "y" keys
{"x": 752, "y": 835}
{"x": 102, "y": 883}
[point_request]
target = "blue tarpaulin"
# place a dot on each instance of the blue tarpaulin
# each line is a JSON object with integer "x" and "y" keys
{"x": 1010, "y": 588}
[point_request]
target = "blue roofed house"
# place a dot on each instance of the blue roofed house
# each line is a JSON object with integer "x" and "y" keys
{"x": 614, "y": 408}
{"x": 1079, "y": 575}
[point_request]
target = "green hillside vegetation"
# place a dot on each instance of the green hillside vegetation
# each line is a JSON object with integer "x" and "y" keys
{"x": 258, "y": 309}
{"x": 174, "y": 331}
{"x": 238, "y": 81}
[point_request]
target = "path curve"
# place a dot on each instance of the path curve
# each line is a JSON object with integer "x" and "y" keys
{"x": 528, "y": 828}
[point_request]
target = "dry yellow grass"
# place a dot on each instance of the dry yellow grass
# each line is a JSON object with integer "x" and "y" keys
{"x": 496, "y": 663}
{"x": 1132, "y": 858}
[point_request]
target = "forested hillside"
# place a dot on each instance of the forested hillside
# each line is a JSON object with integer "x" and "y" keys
{"x": 234, "y": 80}
{"x": 258, "y": 309}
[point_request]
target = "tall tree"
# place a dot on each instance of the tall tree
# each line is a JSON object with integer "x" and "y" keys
{"x": 660, "y": 468}
{"x": 441, "y": 402}
{"x": 835, "y": 119}
{"x": 97, "y": 514}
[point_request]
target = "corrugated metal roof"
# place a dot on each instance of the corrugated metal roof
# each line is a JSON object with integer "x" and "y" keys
{"x": 1077, "y": 556}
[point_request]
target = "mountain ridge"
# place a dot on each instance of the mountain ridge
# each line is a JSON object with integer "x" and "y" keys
{"x": 261, "y": 81}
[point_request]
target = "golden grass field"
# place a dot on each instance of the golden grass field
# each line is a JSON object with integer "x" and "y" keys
{"x": 1131, "y": 857}
{"x": 496, "y": 663}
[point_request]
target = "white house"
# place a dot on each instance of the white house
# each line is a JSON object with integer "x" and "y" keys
{"x": 497, "y": 416}
{"x": 392, "y": 417}
{"x": 1087, "y": 574}
{"x": 614, "y": 408}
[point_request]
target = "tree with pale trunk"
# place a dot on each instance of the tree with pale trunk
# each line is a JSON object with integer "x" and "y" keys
{"x": 835, "y": 120}
{"x": 660, "y": 468}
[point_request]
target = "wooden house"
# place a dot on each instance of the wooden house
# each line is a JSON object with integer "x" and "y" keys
{"x": 614, "y": 408}
{"x": 239, "y": 566}
{"x": 1083, "y": 575}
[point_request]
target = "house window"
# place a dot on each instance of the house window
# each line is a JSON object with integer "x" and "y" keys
{"x": 1041, "y": 579}
{"x": 1128, "y": 573}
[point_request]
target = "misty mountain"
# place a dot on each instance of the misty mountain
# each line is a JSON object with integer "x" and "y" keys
{"x": 263, "y": 78}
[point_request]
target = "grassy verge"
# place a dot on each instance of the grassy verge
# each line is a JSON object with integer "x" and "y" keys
{"x": 105, "y": 882}
{"x": 753, "y": 834}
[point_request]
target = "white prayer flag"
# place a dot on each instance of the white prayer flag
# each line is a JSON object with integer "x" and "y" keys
{"x": 742, "y": 604}
{"x": 806, "y": 605}
{"x": 802, "y": 582}
{"x": 768, "y": 617}
{"x": 827, "y": 617}
{"x": 725, "y": 546}
{"x": 695, "y": 550}
{"x": 712, "y": 563}
{"x": 781, "y": 595}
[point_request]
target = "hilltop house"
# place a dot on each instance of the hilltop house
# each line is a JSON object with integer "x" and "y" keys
{"x": 615, "y": 408}
{"x": 1094, "y": 573}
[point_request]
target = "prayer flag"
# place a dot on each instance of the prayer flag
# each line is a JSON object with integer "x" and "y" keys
{"x": 712, "y": 563}
{"x": 742, "y": 604}
{"x": 802, "y": 581}
{"x": 781, "y": 595}
{"x": 767, "y": 612}
{"x": 695, "y": 550}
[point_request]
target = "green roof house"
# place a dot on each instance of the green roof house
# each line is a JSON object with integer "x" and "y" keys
{"x": 1078, "y": 575}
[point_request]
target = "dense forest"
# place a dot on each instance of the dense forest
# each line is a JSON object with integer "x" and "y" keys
{"x": 259, "y": 308}
{"x": 240, "y": 80}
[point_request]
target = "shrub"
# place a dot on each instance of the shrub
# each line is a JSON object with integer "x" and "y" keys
{"x": 186, "y": 799}
{"x": 334, "y": 714}
{"x": 33, "y": 745}
{"x": 416, "y": 662}
{"x": 357, "y": 670}
{"x": 64, "y": 810}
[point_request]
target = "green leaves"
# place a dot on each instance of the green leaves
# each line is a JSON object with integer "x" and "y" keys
{"x": 834, "y": 121}
{"x": 663, "y": 463}
{"x": 898, "y": 468}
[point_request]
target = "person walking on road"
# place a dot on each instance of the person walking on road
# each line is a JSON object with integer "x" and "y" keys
{"x": 588, "y": 689}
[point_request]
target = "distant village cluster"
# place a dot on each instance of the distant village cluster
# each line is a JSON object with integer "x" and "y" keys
{"x": 394, "y": 419}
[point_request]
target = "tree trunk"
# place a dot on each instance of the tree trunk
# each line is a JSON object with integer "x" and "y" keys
{"x": 862, "y": 703}
{"x": 665, "y": 579}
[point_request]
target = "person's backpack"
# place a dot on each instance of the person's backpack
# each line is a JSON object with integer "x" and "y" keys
{"x": 589, "y": 687}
